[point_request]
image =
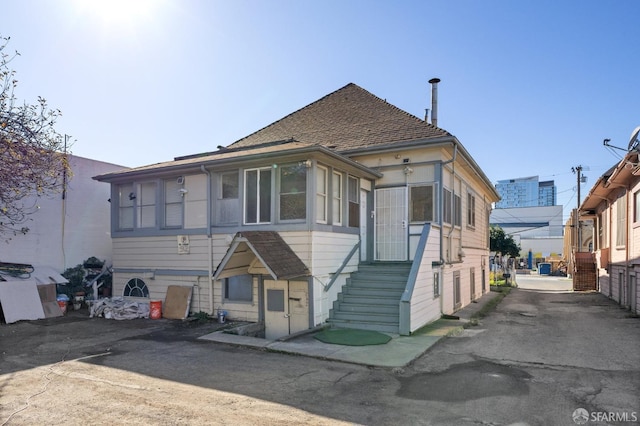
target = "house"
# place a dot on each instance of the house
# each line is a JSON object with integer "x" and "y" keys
{"x": 349, "y": 211}
{"x": 613, "y": 204}
{"x": 67, "y": 227}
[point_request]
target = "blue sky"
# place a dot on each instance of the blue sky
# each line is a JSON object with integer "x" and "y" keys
{"x": 528, "y": 87}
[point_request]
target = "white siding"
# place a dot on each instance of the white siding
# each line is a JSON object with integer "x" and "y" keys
{"x": 425, "y": 308}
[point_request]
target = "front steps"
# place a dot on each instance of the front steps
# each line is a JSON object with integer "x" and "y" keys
{"x": 370, "y": 298}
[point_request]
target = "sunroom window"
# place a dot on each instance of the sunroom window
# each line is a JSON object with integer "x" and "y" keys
{"x": 293, "y": 192}
{"x": 146, "y": 205}
{"x": 337, "y": 198}
{"x": 257, "y": 196}
{"x": 172, "y": 203}
{"x": 321, "y": 195}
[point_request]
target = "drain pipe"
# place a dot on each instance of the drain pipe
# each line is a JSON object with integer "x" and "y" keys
{"x": 209, "y": 242}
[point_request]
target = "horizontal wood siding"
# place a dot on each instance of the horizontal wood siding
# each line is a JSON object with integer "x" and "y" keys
{"x": 425, "y": 308}
{"x": 329, "y": 251}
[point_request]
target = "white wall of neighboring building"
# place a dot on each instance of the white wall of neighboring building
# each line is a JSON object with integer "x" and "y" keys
{"x": 523, "y": 221}
{"x": 63, "y": 233}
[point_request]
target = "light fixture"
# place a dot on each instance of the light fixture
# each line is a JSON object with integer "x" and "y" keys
{"x": 132, "y": 196}
{"x": 183, "y": 191}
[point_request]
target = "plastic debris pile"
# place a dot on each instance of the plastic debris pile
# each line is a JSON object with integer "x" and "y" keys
{"x": 119, "y": 309}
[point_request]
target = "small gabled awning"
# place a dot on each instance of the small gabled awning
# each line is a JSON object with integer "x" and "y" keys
{"x": 260, "y": 252}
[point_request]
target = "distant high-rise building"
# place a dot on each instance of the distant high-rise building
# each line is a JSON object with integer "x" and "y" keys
{"x": 525, "y": 192}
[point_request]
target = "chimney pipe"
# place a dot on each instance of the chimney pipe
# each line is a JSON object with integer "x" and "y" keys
{"x": 434, "y": 100}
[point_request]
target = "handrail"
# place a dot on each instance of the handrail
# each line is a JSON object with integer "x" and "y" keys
{"x": 335, "y": 275}
{"x": 407, "y": 294}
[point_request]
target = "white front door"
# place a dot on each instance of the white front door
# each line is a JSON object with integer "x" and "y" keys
{"x": 391, "y": 224}
{"x": 286, "y": 308}
{"x": 276, "y": 313}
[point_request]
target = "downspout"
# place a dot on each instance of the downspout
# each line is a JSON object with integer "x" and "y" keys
{"x": 440, "y": 221}
{"x": 210, "y": 266}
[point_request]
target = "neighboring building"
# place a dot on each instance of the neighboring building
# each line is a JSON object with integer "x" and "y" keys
{"x": 525, "y": 192}
{"x": 613, "y": 204}
{"x": 538, "y": 229}
{"x": 67, "y": 229}
{"x": 271, "y": 227}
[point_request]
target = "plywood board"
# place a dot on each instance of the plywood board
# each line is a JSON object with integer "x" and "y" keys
{"x": 177, "y": 302}
{"x": 20, "y": 301}
{"x": 50, "y": 305}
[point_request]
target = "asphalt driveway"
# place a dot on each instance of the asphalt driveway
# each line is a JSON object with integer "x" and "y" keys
{"x": 535, "y": 360}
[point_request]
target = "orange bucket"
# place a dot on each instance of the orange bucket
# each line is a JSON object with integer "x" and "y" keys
{"x": 155, "y": 309}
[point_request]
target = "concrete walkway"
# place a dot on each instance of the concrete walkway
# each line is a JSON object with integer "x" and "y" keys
{"x": 398, "y": 352}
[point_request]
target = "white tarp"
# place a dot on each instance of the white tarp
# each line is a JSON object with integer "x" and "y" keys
{"x": 119, "y": 309}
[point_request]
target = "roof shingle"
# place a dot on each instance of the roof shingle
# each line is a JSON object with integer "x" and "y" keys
{"x": 348, "y": 119}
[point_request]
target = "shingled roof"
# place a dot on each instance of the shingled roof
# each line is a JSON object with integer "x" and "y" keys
{"x": 269, "y": 248}
{"x": 348, "y": 119}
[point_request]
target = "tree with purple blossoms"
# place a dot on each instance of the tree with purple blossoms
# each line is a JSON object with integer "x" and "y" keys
{"x": 33, "y": 158}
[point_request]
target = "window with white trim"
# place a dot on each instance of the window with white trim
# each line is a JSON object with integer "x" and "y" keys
{"x": 321, "y": 194}
{"x": 471, "y": 210}
{"x": 337, "y": 198}
{"x": 446, "y": 206}
{"x": 146, "y": 205}
{"x": 293, "y": 192}
{"x": 621, "y": 222}
{"x": 228, "y": 206}
{"x": 173, "y": 198}
{"x": 257, "y": 197}
{"x": 125, "y": 206}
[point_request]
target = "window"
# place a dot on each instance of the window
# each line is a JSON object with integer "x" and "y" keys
{"x": 257, "y": 207}
{"x": 471, "y": 210}
{"x": 436, "y": 285}
{"x": 621, "y": 222}
{"x": 337, "y": 198}
{"x": 238, "y": 288}
{"x": 321, "y": 195}
{"x": 228, "y": 207}
{"x": 146, "y": 205}
{"x": 172, "y": 203}
{"x": 136, "y": 288}
{"x": 446, "y": 206}
{"x": 229, "y": 185}
{"x": 125, "y": 206}
{"x": 293, "y": 192}
{"x": 636, "y": 206}
{"x": 457, "y": 210}
{"x": 603, "y": 241}
{"x": 353, "y": 194}
{"x": 421, "y": 205}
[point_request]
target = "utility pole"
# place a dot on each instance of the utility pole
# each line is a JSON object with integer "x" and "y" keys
{"x": 577, "y": 237}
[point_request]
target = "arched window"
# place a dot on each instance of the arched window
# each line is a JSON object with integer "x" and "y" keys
{"x": 136, "y": 288}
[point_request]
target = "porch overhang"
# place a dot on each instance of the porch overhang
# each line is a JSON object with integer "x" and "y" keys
{"x": 260, "y": 252}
